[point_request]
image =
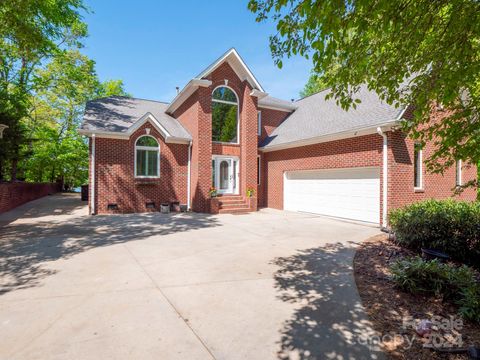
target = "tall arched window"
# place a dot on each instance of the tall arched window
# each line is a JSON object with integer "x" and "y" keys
{"x": 147, "y": 157}
{"x": 224, "y": 115}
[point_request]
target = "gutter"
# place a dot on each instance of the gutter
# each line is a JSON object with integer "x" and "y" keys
{"x": 189, "y": 171}
{"x": 385, "y": 175}
{"x": 350, "y": 133}
{"x": 92, "y": 191}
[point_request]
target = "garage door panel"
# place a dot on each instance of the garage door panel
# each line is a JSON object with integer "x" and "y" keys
{"x": 347, "y": 193}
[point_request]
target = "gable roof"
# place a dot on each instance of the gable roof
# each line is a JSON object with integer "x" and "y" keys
{"x": 316, "y": 117}
{"x": 120, "y": 116}
{"x": 233, "y": 58}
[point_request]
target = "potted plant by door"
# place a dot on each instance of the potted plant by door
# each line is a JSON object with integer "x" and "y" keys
{"x": 251, "y": 196}
{"x": 213, "y": 192}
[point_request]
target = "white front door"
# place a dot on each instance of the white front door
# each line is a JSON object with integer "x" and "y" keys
{"x": 225, "y": 170}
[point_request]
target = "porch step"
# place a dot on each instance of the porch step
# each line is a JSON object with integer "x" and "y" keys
{"x": 233, "y": 204}
{"x": 230, "y": 197}
{"x": 241, "y": 210}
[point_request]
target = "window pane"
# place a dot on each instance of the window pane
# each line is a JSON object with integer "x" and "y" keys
{"x": 259, "y": 121}
{"x": 458, "y": 173}
{"x": 213, "y": 173}
{"x": 152, "y": 163}
{"x": 225, "y": 94}
{"x": 141, "y": 169}
{"x": 147, "y": 141}
{"x": 224, "y": 122}
{"x": 417, "y": 163}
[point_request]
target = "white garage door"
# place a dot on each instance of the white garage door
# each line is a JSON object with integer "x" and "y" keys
{"x": 346, "y": 193}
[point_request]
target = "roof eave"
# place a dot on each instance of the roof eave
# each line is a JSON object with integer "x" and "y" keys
{"x": 285, "y": 108}
{"x": 361, "y": 131}
{"x": 186, "y": 92}
{"x": 233, "y": 54}
{"x": 126, "y": 136}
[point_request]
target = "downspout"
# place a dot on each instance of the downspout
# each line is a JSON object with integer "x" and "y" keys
{"x": 385, "y": 176}
{"x": 189, "y": 174}
{"x": 92, "y": 191}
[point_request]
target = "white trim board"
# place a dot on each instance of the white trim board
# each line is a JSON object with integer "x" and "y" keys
{"x": 331, "y": 137}
{"x": 238, "y": 65}
{"x": 126, "y": 135}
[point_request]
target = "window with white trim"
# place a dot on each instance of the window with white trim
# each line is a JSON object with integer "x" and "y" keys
{"x": 259, "y": 121}
{"x": 458, "y": 173}
{"x": 147, "y": 157}
{"x": 224, "y": 115}
{"x": 417, "y": 165}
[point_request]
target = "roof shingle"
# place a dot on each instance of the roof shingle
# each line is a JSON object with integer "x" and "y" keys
{"x": 316, "y": 117}
{"x": 118, "y": 114}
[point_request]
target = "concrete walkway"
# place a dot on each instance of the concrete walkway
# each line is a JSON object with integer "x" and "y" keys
{"x": 268, "y": 285}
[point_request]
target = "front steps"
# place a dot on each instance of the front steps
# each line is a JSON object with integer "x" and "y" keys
{"x": 233, "y": 204}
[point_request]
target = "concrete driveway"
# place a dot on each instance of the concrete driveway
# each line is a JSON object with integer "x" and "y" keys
{"x": 267, "y": 285}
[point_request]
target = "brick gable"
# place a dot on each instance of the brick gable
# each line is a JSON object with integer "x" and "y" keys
{"x": 115, "y": 181}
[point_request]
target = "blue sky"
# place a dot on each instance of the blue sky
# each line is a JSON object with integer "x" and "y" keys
{"x": 156, "y": 45}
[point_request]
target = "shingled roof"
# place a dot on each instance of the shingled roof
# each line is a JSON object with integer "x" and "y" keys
{"x": 316, "y": 117}
{"x": 117, "y": 114}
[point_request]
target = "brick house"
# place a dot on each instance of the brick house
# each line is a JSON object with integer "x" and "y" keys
{"x": 223, "y": 130}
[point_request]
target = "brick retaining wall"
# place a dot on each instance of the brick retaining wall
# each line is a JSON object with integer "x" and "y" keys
{"x": 16, "y": 194}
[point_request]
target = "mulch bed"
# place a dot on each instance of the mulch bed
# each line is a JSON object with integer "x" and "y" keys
{"x": 388, "y": 306}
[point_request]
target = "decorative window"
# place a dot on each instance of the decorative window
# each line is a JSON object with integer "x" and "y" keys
{"x": 259, "y": 120}
{"x": 147, "y": 157}
{"x": 458, "y": 173}
{"x": 224, "y": 115}
{"x": 417, "y": 165}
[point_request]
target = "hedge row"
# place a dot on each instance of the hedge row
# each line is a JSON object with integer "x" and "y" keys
{"x": 449, "y": 226}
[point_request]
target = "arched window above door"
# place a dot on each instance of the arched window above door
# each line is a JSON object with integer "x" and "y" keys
{"x": 224, "y": 115}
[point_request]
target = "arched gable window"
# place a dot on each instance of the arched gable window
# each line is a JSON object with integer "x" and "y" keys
{"x": 147, "y": 157}
{"x": 224, "y": 115}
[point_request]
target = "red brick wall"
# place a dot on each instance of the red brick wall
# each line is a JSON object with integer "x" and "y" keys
{"x": 116, "y": 183}
{"x": 354, "y": 152}
{"x": 248, "y": 147}
{"x": 224, "y": 149}
{"x": 188, "y": 114}
{"x": 271, "y": 119}
{"x": 195, "y": 114}
{"x": 401, "y": 175}
{"x": 16, "y": 194}
{"x": 362, "y": 152}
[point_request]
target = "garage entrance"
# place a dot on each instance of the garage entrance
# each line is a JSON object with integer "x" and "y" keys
{"x": 352, "y": 193}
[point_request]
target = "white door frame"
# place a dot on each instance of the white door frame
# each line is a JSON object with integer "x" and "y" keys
{"x": 233, "y": 170}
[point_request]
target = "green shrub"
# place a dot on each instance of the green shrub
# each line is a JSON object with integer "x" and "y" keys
{"x": 456, "y": 284}
{"x": 470, "y": 303}
{"x": 449, "y": 226}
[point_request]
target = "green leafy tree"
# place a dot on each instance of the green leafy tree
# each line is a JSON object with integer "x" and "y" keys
{"x": 113, "y": 87}
{"x": 57, "y": 151}
{"x": 315, "y": 84}
{"x": 31, "y": 32}
{"x": 423, "y": 53}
